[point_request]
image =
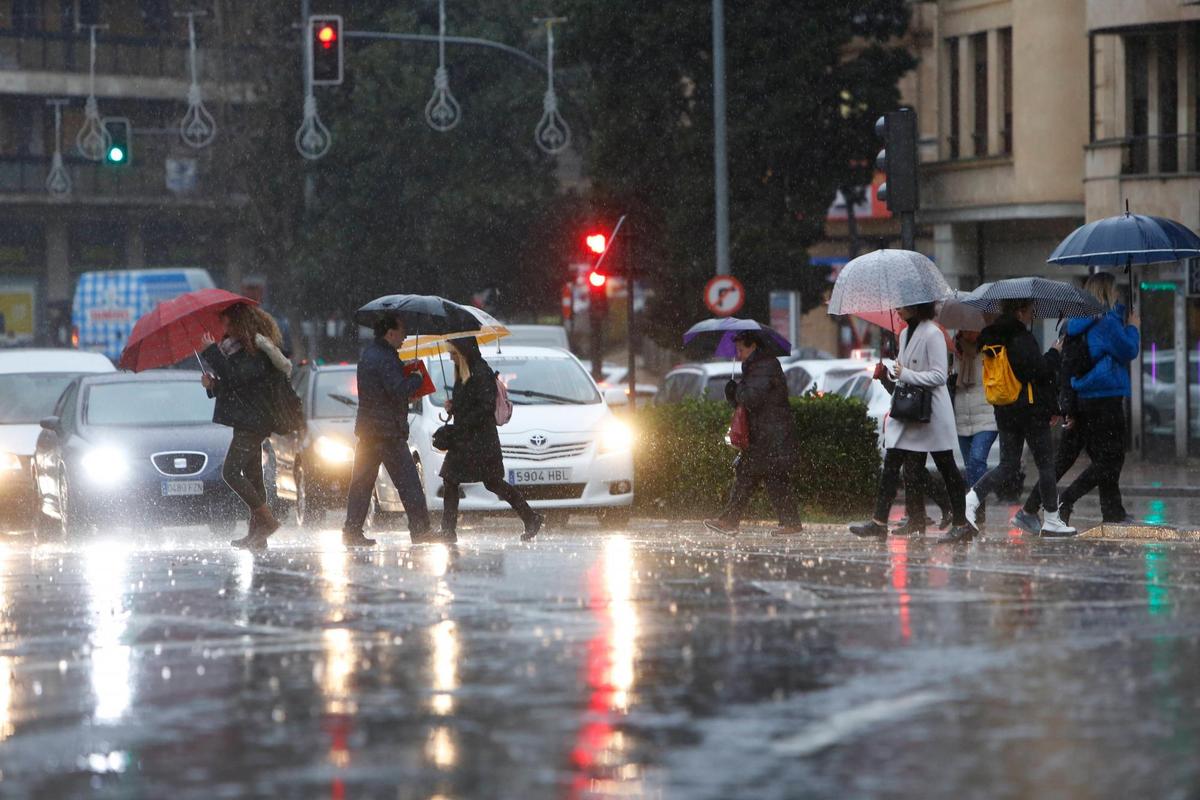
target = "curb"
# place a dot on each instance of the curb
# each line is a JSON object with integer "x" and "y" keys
{"x": 1161, "y": 491}
{"x": 1143, "y": 533}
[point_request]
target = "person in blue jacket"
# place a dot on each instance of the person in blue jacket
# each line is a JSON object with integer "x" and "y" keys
{"x": 1093, "y": 407}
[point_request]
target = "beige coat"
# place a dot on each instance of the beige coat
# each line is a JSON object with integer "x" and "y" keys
{"x": 926, "y": 364}
{"x": 972, "y": 412}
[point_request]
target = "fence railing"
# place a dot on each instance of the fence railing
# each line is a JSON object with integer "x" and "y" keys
{"x": 1160, "y": 154}
{"x": 148, "y": 175}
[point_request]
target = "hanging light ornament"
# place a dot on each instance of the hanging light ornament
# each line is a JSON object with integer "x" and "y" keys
{"x": 93, "y": 140}
{"x": 442, "y": 112}
{"x": 197, "y": 128}
{"x": 58, "y": 181}
{"x": 552, "y": 133}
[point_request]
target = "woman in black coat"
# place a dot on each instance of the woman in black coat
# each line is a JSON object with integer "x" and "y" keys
{"x": 245, "y": 363}
{"x": 474, "y": 456}
{"x": 771, "y": 455}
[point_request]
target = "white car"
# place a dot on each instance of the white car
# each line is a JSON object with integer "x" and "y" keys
{"x": 823, "y": 375}
{"x": 615, "y": 384}
{"x": 701, "y": 380}
{"x": 31, "y": 381}
{"x": 563, "y": 448}
{"x": 535, "y": 336}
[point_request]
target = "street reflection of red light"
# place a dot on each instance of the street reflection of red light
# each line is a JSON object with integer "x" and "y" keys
{"x": 898, "y": 559}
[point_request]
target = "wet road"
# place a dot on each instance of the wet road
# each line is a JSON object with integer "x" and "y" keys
{"x": 659, "y": 662}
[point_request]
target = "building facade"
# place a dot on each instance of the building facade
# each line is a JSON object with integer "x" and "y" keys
{"x": 168, "y": 203}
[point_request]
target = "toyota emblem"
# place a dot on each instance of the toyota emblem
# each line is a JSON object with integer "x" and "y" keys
{"x": 537, "y": 440}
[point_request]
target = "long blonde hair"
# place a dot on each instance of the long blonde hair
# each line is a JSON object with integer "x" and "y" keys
{"x": 243, "y": 321}
{"x": 1103, "y": 286}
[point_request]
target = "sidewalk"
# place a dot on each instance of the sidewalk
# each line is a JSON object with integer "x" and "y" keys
{"x": 1147, "y": 479}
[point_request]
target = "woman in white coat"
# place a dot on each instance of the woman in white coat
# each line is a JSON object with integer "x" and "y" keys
{"x": 922, "y": 362}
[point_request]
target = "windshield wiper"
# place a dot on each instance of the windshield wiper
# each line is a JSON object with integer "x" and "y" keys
{"x": 344, "y": 399}
{"x": 557, "y": 398}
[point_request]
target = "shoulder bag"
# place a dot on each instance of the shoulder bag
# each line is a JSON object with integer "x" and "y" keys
{"x": 911, "y": 403}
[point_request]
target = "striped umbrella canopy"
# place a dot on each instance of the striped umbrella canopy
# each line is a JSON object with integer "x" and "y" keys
{"x": 1125, "y": 240}
{"x": 1052, "y": 299}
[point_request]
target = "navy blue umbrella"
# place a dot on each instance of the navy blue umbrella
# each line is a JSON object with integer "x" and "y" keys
{"x": 1126, "y": 240}
{"x": 714, "y": 337}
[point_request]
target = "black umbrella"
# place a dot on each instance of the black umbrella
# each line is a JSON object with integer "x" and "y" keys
{"x": 422, "y": 314}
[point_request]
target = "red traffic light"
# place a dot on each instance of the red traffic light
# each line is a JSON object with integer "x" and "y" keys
{"x": 596, "y": 242}
{"x": 327, "y": 35}
{"x": 597, "y": 279}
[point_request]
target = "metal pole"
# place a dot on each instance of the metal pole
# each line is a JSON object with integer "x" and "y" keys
{"x": 908, "y": 230}
{"x": 630, "y": 322}
{"x": 720, "y": 154}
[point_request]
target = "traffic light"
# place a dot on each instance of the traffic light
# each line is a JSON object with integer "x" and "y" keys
{"x": 120, "y": 141}
{"x": 325, "y": 42}
{"x": 597, "y": 294}
{"x": 596, "y": 242}
{"x": 898, "y": 160}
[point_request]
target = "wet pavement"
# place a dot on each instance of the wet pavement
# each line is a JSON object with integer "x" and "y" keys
{"x": 660, "y": 661}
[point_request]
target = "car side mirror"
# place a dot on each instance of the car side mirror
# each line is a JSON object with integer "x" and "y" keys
{"x": 51, "y": 424}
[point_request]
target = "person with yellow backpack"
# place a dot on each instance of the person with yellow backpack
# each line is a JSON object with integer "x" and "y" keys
{"x": 1019, "y": 382}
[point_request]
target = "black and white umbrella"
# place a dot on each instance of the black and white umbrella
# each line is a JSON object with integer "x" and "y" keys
{"x": 1051, "y": 299}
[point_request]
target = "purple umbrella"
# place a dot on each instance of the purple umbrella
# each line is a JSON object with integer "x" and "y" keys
{"x": 714, "y": 338}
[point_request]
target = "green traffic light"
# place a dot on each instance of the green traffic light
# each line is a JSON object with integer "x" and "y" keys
{"x": 116, "y": 155}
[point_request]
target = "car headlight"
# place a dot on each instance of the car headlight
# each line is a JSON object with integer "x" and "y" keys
{"x": 105, "y": 465}
{"x": 615, "y": 437}
{"x": 335, "y": 451}
{"x": 9, "y": 462}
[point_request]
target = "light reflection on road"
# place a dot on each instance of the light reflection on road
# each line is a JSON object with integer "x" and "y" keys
{"x": 106, "y": 566}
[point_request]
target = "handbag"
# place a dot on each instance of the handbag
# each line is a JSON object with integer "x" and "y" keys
{"x": 912, "y": 403}
{"x": 739, "y": 428}
{"x": 445, "y": 437}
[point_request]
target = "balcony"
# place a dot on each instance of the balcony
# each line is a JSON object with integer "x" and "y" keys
{"x": 1160, "y": 155}
{"x": 145, "y": 57}
{"x": 187, "y": 180}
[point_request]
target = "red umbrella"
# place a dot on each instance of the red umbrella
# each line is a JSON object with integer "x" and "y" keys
{"x": 172, "y": 331}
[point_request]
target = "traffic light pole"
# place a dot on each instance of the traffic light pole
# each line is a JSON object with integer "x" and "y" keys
{"x": 908, "y": 230}
{"x": 631, "y": 319}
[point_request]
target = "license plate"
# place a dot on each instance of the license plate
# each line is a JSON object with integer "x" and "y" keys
{"x": 544, "y": 475}
{"x": 181, "y": 488}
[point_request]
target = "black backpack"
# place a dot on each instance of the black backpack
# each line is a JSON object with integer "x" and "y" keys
{"x": 1076, "y": 362}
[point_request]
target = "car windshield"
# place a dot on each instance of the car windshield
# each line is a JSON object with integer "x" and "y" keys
{"x": 137, "y": 403}
{"x": 336, "y": 394}
{"x": 714, "y": 388}
{"x": 28, "y": 397}
{"x": 530, "y": 381}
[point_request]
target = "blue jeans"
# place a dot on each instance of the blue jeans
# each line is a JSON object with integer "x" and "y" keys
{"x": 975, "y": 451}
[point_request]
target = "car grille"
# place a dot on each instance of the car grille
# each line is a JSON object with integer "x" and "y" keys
{"x": 552, "y": 491}
{"x": 549, "y": 453}
{"x": 181, "y": 463}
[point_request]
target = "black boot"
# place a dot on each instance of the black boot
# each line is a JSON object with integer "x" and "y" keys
{"x": 958, "y": 534}
{"x": 912, "y": 526}
{"x": 356, "y": 539}
{"x": 532, "y": 526}
{"x": 869, "y": 530}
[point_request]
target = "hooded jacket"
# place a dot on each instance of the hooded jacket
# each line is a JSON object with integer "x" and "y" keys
{"x": 1031, "y": 367}
{"x": 242, "y": 390}
{"x": 1112, "y": 345}
{"x": 476, "y": 455}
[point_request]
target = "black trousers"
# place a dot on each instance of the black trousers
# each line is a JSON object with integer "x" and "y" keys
{"x": 779, "y": 493}
{"x": 1099, "y": 431}
{"x": 913, "y": 464}
{"x": 932, "y": 488}
{"x": 1014, "y": 435}
{"x": 392, "y": 452}
{"x": 497, "y": 486}
{"x": 242, "y": 470}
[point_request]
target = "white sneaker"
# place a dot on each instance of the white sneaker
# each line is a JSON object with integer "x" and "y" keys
{"x": 1052, "y": 525}
{"x": 973, "y": 510}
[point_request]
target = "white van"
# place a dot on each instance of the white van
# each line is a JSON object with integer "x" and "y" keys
{"x": 563, "y": 448}
{"x": 108, "y": 304}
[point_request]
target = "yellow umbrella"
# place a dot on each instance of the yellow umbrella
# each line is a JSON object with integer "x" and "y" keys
{"x": 487, "y": 329}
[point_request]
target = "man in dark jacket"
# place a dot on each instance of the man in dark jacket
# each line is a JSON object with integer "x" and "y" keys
{"x": 771, "y": 454}
{"x": 382, "y": 430}
{"x": 1025, "y": 421}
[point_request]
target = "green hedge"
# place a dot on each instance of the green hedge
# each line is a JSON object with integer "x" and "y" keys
{"x": 684, "y": 467}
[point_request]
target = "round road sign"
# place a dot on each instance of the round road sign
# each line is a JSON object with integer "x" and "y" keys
{"x": 724, "y": 295}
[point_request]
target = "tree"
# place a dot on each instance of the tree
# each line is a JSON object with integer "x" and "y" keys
{"x": 804, "y": 81}
{"x": 395, "y": 206}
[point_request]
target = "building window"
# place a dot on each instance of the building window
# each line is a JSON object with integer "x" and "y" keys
{"x": 27, "y": 15}
{"x": 1137, "y": 104}
{"x": 1006, "y": 88}
{"x": 952, "y": 139}
{"x": 979, "y": 129}
{"x": 1168, "y": 102}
